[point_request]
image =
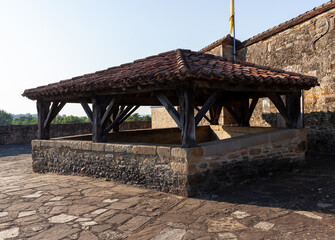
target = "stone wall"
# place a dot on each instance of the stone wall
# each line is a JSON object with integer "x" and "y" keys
{"x": 307, "y": 48}
{"x": 161, "y": 118}
{"x": 170, "y": 168}
{"x": 18, "y": 134}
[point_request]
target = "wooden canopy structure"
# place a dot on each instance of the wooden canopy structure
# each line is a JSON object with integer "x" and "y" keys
{"x": 190, "y": 80}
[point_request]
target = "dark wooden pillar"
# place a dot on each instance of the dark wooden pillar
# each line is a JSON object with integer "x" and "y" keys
{"x": 186, "y": 111}
{"x": 43, "y": 110}
{"x": 293, "y": 109}
{"x": 98, "y": 134}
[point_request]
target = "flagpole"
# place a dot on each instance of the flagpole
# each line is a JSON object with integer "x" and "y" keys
{"x": 234, "y": 34}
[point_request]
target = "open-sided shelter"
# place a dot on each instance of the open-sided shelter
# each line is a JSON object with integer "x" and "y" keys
{"x": 183, "y": 78}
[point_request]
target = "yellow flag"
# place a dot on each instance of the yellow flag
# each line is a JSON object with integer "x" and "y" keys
{"x": 231, "y": 16}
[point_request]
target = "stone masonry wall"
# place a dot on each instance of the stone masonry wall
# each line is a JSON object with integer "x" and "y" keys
{"x": 235, "y": 160}
{"x": 18, "y": 134}
{"x": 156, "y": 167}
{"x": 307, "y": 48}
{"x": 170, "y": 168}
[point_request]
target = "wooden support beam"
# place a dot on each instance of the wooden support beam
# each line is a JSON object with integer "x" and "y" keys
{"x": 43, "y": 111}
{"x": 215, "y": 112}
{"x": 87, "y": 109}
{"x": 110, "y": 108}
{"x": 250, "y": 111}
{"x": 205, "y": 117}
{"x": 113, "y": 117}
{"x": 278, "y": 102}
{"x": 119, "y": 117}
{"x": 207, "y": 105}
{"x": 231, "y": 111}
{"x": 98, "y": 134}
{"x": 169, "y": 108}
{"x": 56, "y": 107}
{"x": 128, "y": 114}
{"x": 187, "y": 121}
{"x": 293, "y": 107}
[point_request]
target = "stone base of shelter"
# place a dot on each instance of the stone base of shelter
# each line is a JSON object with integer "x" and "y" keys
{"x": 226, "y": 155}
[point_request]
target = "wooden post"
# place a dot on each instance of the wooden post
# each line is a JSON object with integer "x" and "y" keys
{"x": 187, "y": 121}
{"x": 98, "y": 132}
{"x": 113, "y": 117}
{"x": 43, "y": 110}
{"x": 293, "y": 108}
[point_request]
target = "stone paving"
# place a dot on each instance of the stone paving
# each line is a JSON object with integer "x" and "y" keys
{"x": 296, "y": 205}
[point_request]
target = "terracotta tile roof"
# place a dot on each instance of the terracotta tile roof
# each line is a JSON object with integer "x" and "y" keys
{"x": 170, "y": 68}
{"x": 288, "y": 24}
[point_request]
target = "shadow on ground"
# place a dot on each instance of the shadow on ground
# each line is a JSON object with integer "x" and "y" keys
{"x": 14, "y": 149}
{"x": 308, "y": 189}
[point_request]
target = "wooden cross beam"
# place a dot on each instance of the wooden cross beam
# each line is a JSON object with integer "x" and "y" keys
{"x": 56, "y": 107}
{"x": 87, "y": 109}
{"x": 118, "y": 118}
{"x": 205, "y": 117}
{"x": 46, "y": 115}
{"x": 207, "y": 105}
{"x": 250, "y": 110}
{"x": 278, "y": 102}
{"x": 109, "y": 110}
{"x": 169, "y": 108}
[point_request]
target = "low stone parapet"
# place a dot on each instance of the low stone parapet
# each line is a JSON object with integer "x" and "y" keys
{"x": 171, "y": 168}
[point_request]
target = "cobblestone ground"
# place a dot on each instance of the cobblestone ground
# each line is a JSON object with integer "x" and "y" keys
{"x": 298, "y": 205}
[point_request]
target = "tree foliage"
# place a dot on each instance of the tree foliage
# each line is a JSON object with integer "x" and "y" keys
{"x": 138, "y": 118}
{"x": 5, "y": 118}
{"x": 28, "y": 119}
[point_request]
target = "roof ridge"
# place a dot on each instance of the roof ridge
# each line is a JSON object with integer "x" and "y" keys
{"x": 182, "y": 66}
{"x": 290, "y": 23}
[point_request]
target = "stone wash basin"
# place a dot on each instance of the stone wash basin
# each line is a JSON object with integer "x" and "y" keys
{"x": 153, "y": 158}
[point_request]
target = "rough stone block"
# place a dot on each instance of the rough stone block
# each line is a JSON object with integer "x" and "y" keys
{"x": 35, "y": 144}
{"x": 145, "y": 150}
{"x": 195, "y": 154}
{"x": 76, "y": 145}
{"x": 179, "y": 167}
{"x": 98, "y": 147}
{"x": 179, "y": 152}
{"x": 164, "y": 151}
{"x": 123, "y": 148}
{"x": 86, "y": 146}
{"x": 255, "y": 151}
{"x": 109, "y": 147}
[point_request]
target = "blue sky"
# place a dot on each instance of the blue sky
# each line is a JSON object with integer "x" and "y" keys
{"x": 45, "y": 41}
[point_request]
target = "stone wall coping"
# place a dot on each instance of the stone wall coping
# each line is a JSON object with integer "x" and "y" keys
{"x": 202, "y": 150}
{"x": 235, "y": 143}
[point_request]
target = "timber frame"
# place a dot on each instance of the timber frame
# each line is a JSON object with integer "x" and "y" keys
{"x": 108, "y": 112}
{"x": 193, "y": 82}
